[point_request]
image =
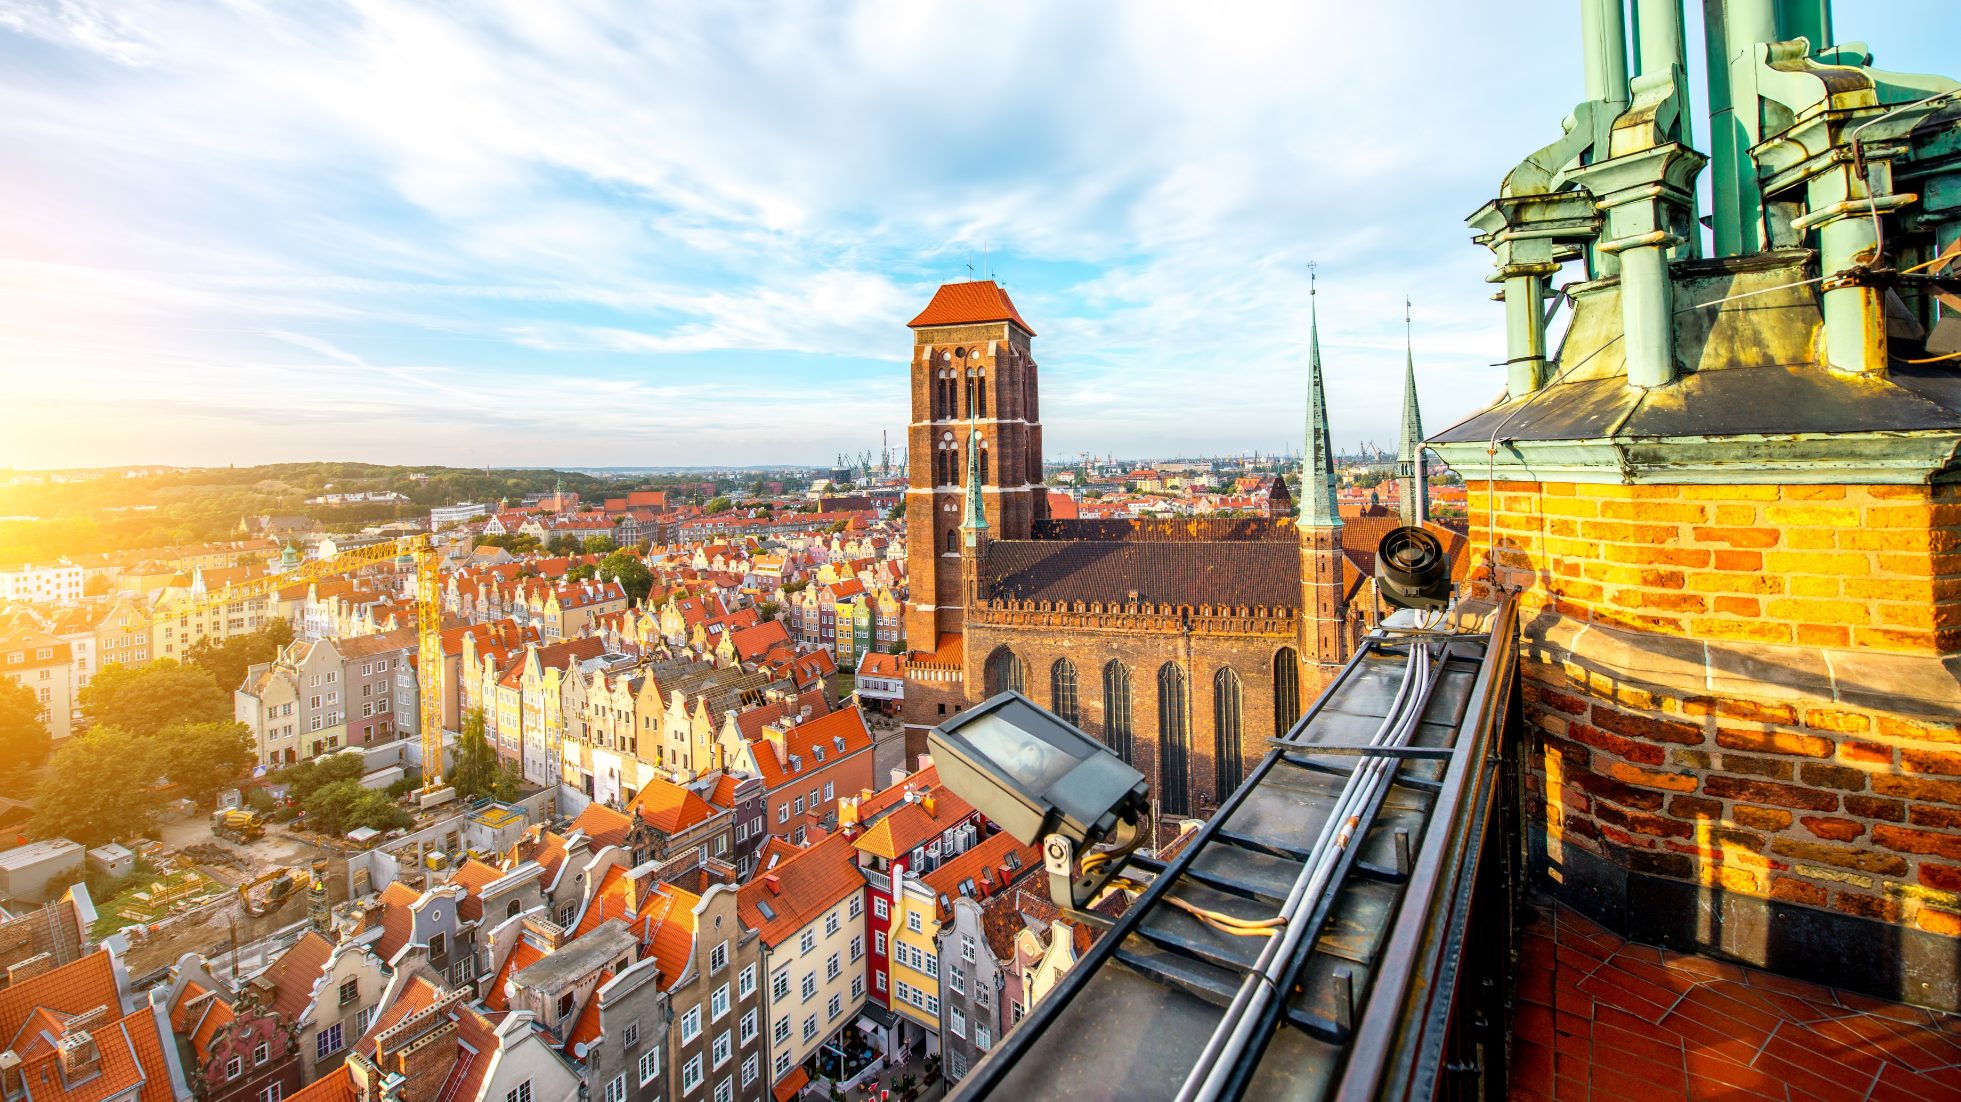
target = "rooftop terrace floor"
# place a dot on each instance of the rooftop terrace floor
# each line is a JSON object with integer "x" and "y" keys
{"x": 1600, "y": 1018}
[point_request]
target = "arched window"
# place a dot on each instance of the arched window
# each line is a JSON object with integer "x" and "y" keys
{"x": 980, "y": 393}
{"x": 1286, "y": 690}
{"x": 1174, "y": 740}
{"x": 1062, "y": 692}
{"x": 952, "y": 541}
{"x": 983, "y": 463}
{"x": 1004, "y": 672}
{"x": 1228, "y": 749}
{"x": 1116, "y": 708}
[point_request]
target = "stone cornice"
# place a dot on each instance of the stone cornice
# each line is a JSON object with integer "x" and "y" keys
{"x": 1883, "y": 458}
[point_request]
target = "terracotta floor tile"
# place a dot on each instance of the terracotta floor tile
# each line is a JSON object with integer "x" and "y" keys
{"x": 1771, "y": 981}
{"x": 1832, "y": 1088}
{"x": 1898, "y": 1085}
{"x": 1704, "y": 967}
{"x": 1650, "y": 1044}
{"x": 1637, "y": 1084}
{"x": 1532, "y": 1066}
{"x": 1797, "y": 1045}
{"x": 1570, "y": 1090}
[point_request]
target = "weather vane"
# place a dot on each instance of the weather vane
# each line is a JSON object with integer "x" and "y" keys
{"x": 1311, "y": 265}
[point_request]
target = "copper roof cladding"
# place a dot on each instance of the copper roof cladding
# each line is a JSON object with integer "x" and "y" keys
{"x": 1232, "y": 574}
{"x": 980, "y": 300}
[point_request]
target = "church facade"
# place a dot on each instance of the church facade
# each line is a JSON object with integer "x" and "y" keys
{"x": 1183, "y": 644}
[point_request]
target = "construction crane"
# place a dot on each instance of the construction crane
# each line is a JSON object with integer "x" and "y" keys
{"x": 418, "y": 550}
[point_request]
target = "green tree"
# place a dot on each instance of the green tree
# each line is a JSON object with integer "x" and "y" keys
{"x": 23, "y": 727}
{"x": 100, "y": 786}
{"x": 563, "y": 545}
{"x": 633, "y": 574}
{"x": 476, "y": 768}
{"x": 305, "y": 778}
{"x": 768, "y": 610}
{"x": 599, "y": 545}
{"x": 206, "y": 758}
{"x": 346, "y": 805}
{"x": 508, "y": 784}
{"x": 718, "y": 505}
{"x": 582, "y": 572}
{"x": 227, "y": 661}
{"x": 145, "y": 699}
{"x": 839, "y": 525}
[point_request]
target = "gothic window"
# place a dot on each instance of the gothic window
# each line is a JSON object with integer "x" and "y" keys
{"x": 1116, "y": 708}
{"x": 983, "y": 463}
{"x": 1004, "y": 672}
{"x": 1228, "y": 748}
{"x": 1286, "y": 690}
{"x": 952, "y": 541}
{"x": 980, "y": 393}
{"x": 1062, "y": 691}
{"x": 1174, "y": 740}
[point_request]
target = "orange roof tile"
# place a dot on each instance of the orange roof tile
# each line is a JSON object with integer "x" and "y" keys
{"x": 586, "y": 1028}
{"x": 670, "y": 920}
{"x": 669, "y": 808}
{"x": 295, "y": 972}
{"x": 74, "y": 988}
{"x": 216, "y": 1016}
{"x": 335, "y": 1086}
{"x": 966, "y": 303}
{"x": 522, "y": 955}
{"x": 799, "y": 889}
{"x": 991, "y": 855}
{"x": 471, "y": 876}
{"x": 396, "y": 922}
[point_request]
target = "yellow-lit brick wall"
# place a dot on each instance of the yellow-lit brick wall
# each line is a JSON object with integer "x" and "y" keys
{"x": 1800, "y": 798}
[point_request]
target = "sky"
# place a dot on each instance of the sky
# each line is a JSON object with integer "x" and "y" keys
{"x": 626, "y": 234}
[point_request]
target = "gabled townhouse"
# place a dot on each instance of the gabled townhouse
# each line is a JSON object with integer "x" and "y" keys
{"x": 431, "y": 1045}
{"x": 663, "y": 821}
{"x": 911, "y": 827}
{"x": 41, "y": 664}
{"x": 807, "y": 758}
{"x": 371, "y": 670}
{"x": 234, "y": 1047}
{"x": 921, "y": 903}
{"x": 327, "y": 992}
{"x": 808, "y": 907}
{"x": 179, "y": 622}
{"x": 294, "y": 705}
{"x": 709, "y": 969}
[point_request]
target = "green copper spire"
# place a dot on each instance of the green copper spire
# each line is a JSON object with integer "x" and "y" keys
{"x": 1318, "y": 508}
{"x": 974, "y": 521}
{"x": 1410, "y": 488}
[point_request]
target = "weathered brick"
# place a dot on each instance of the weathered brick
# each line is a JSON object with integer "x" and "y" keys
{"x": 1737, "y": 537}
{"x": 1736, "y": 560}
{"x": 1645, "y": 727}
{"x": 1758, "y": 767}
{"x": 1872, "y": 807}
{"x": 1640, "y": 822}
{"x": 1889, "y": 589}
{"x": 1761, "y": 818}
{"x": 1842, "y": 777}
{"x": 1813, "y": 493}
{"x": 1676, "y": 866}
{"x": 1868, "y": 753}
{"x": 1816, "y": 562}
{"x": 1837, "y": 830}
{"x": 1821, "y": 516}
{"x": 1813, "y": 585}
{"x": 1945, "y": 877}
{"x": 1924, "y": 731}
{"x": 1643, "y": 752}
{"x": 1755, "y": 631}
{"x": 1737, "y": 606}
{"x": 1821, "y": 719}
{"x": 1650, "y": 778}
{"x": 1660, "y": 512}
{"x": 1936, "y": 921}
{"x": 1665, "y": 600}
{"x": 1793, "y": 890}
{"x": 1767, "y": 792}
{"x": 1694, "y": 807}
{"x": 1627, "y": 795}
{"x": 1930, "y": 761}
{"x": 1845, "y": 857}
{"x": 1917, "y": 788}
{"x": 1818, "y": 611}
{"x": 1909, "y": 840}
{"x": 1822, "y": 635}
{"x": 1884, "y": 908}
{"x": 1658, "y": 555}
{"x": 1773, "y": 742}
{"x": 1899, "y": 516}
{"x": 1929, "y": 815}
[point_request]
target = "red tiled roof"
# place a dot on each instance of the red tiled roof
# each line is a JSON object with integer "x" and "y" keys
{"x": 602, "y": 824}
{"x": 132, "y": 1056}
{"x": 335, "y": 1086}
{"x": 471, "y": 876}
{"x": 800, "y": 889}
{"x": 990, "y": 855}
{"x": 74, "y": 988}
{"x": 669, "y": 808}
{"x": 966, "y": 303}
{"x": 216, "y": 1016}
{"x": 295, "y": 972}
{"x": 522, "y": 955}
{"x": 670, "y": 929}
{"x": 586, "y": 1029}
{"x": 396, "y": 922}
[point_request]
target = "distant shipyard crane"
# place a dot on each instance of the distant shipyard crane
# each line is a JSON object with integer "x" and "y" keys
{"x": 417, "y": 550}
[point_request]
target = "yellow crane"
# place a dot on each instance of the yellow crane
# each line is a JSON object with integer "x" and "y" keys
{"x": 420, "y": 550}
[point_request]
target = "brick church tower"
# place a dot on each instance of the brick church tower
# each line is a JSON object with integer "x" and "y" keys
{"x": 974, "y": 386}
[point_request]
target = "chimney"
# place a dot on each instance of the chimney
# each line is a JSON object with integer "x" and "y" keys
{"x": 774, "y": 883}
{"x": 29, "y": 968}
{"x": 930, "y": 803}
{"x": 848, "y": 815}
{"x": 80, "y": 1057}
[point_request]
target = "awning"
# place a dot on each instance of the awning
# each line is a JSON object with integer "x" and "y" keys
{"x": 791, "y": 1084}
{"x": 874, "y": 1016}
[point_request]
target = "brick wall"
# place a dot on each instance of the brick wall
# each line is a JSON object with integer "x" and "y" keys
{"x": 1747, "y": 687}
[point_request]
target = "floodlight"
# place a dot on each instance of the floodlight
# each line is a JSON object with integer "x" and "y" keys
{"x": 1042, "y": 780}
{"x": 1411, "y": 569}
